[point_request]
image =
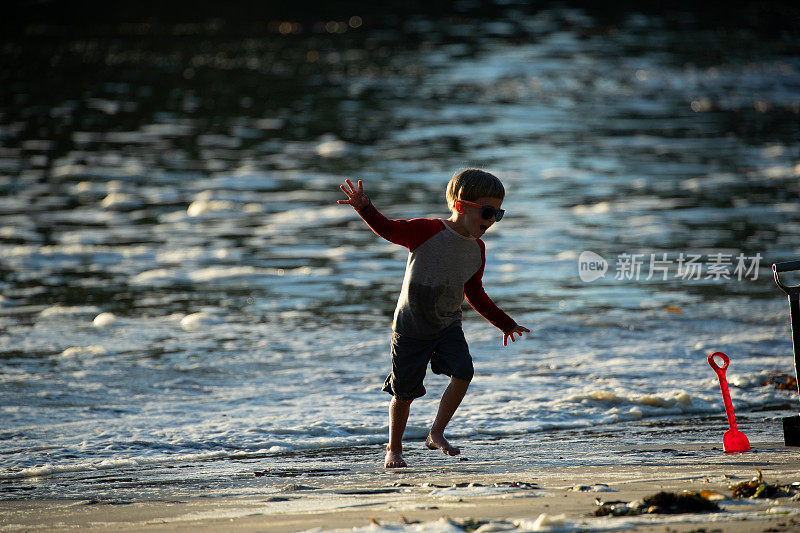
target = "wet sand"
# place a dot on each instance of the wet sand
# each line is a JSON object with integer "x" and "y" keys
{"x": 446, "y": 497}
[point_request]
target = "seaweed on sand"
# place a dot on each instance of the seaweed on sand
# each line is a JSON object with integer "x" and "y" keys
{"x": 758, "y": 488}
{"x": 659, "y": 503}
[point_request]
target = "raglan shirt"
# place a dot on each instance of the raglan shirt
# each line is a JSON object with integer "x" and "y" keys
{"x": 443, "y": 267}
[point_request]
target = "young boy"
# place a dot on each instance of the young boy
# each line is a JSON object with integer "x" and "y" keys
{"x": 445, "y": 263}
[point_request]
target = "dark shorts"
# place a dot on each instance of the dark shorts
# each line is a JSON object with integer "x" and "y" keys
{"x": 448, "y": 354}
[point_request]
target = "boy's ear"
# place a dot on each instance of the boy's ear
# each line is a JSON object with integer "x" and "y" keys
{"x": 459, "y": 207}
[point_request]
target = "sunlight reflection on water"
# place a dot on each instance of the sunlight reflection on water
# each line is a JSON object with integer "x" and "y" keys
{"x": 188, "y": 187}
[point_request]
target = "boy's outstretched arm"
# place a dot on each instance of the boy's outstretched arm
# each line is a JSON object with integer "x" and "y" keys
{"x": 480, "y": 301}
{"x": 484, "y": 305}
{"x": 408, "y": 233}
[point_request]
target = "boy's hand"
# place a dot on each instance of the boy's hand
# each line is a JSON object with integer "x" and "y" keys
{"x": 355, "y": 197}
{"x": 518, "y": 330}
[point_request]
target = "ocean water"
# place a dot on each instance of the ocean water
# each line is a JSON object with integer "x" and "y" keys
{"x": 184, "y": 308}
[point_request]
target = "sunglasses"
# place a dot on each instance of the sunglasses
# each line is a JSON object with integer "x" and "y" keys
{"x": 487, "y": 211}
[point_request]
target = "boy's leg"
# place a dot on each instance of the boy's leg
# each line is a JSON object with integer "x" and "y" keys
{"x": 398, "y": 416}
{"x": 409, "y": 362}
{"x": 451, "y": 399}
{"x": 451, "y": 358}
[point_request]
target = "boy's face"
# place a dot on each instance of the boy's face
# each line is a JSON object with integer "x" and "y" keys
{"x": 473, "y": 222}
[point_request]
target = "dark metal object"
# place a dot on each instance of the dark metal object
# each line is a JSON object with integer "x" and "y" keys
{"x": 791, "y": 424}
{"x": 791, "y": 430}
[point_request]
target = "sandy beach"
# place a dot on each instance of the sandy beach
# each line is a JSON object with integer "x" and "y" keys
{"x": 454, "y": 496}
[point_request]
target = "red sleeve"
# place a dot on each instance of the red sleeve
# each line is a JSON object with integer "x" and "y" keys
{"x": 408, "y": 233}
{"x": 480, "y": 301}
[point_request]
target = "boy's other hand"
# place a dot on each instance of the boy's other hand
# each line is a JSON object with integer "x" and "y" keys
{"x": 518, "y": 330}
{"x": 355, "y": 197}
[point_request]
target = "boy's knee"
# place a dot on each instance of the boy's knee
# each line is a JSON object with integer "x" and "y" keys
{"x": 403, "y": 402}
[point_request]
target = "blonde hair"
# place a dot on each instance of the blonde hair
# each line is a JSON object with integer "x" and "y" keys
{"x": 471, "y": 184}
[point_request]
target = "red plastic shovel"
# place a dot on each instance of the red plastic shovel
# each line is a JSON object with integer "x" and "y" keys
{"x": 733, "y": 440}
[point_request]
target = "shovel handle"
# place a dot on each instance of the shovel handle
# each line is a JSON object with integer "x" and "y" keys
{"x": 792, "y": 290}
{"x": 723, "y": 385}
{"x": 725, "y": 362}
{"x": 786, "y": 266}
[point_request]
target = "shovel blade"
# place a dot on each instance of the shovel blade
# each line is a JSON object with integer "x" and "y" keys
{"x": 734, "y": 441}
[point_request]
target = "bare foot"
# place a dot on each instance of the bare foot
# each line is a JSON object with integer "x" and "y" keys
{"x": 438, "y": 442}
{"x": 394, "y": 460}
